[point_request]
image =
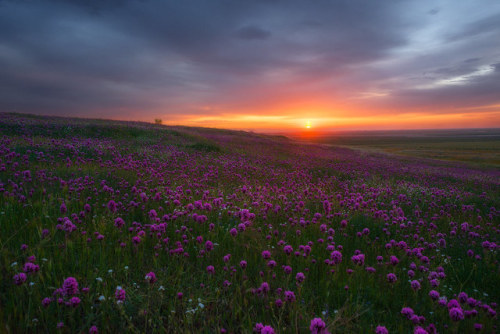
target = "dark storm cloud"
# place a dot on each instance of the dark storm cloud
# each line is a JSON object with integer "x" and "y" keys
{"x": 253, "y": 32}
{"x": 433, "y": 11}
{"x": 120, "y": 57}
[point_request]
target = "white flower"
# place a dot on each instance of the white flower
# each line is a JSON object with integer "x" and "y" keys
{"x": 200, "y": 305}
{"x": 110, "y": 271}
{"x": 118, "y": 288}
{"x": 13, "y": 264}
{"x": 98, "y": 279}
{"x": 102, "y": 298}
{"x": 126, "y": 267}
{"x": 44, "y": 259}
{"x": 32, "y": 283}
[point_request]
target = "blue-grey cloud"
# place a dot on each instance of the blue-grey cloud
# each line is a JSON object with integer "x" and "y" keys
{"x": 117, "y": 57}
{"x": 253, "y": 32}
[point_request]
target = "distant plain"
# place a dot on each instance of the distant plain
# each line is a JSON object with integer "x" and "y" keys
{"x": 478, "y": 147}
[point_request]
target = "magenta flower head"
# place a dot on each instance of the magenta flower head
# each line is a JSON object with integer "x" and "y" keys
{"x": 46, "y": 301}
{"x": 415, "y": 285}
{"x": 419, "y": 330}
{"x": 391, "y": 278}
{"x": 434, "y": 295}
{"x": 119, "y": 222}
{"x": 453, "y": 303}
{"x": 358, "y": 259}
{"x": 394, "y": 260}
{"x": 266, "y": 254}
{"x": 74, "y": 301}
{"x": 381, "y": 330}
{"x": 70, "y": 287}
{"x": 150, "y": 277}
{"x": 233, "y": 232}
{"x": 210, "y": 269}
{"x": 462, "y": 297}
{"x": 343, "y": 223}
{"x": 318, "y": 326}
{"x": 112, "y": 206}
{"x": 243, "y": 264}
{"x": 19, "y": 278}
{"x": 87, "y": 208}
{"x": 93, "y": 330}
{"x": 300, "y": 277}
{"x": 336, "y": 257}
{"x": 63, "y": 208}
{"x": 120, "y": 294}
{"x": 267, "y": 330}
{"x": 407, "y": 312}
{"x": 45, "y": 233}
{"x": 209, "y": 245}
{"x": 290, "y": 296}
{"x": 456, "y": 314}
{"x": 258, "y": 327}
{"x": 264, "y": 287}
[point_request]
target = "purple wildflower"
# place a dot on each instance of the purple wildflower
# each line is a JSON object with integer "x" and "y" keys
{"x": 456, "y": 314}
{"x": 381, "y": 330}
{"x": 150, "y": 277}
{"x": 318, "y": 326}
{"x": 70, "y": 287}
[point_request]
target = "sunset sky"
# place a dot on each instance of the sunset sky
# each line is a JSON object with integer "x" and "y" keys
{"x": 264, "y": 65}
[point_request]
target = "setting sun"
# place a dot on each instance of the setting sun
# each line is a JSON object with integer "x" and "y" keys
{"x": 308, "y": 124}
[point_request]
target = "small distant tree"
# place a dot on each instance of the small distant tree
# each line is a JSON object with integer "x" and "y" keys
{"x": 158, "y": 121}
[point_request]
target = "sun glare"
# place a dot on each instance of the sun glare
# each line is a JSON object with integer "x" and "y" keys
{"x": 308, "y": 124}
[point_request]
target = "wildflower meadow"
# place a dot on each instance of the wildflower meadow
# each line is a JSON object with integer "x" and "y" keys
{"x": 123, "y": 227}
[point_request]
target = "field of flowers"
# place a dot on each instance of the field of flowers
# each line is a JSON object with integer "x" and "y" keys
{"x": 116, "y": 227}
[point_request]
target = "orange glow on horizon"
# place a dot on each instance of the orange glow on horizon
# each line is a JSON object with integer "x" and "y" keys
{"x": 325, "y": 122}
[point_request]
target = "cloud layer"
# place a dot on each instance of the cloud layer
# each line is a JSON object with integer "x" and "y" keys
{"x": 210, "y": 62}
